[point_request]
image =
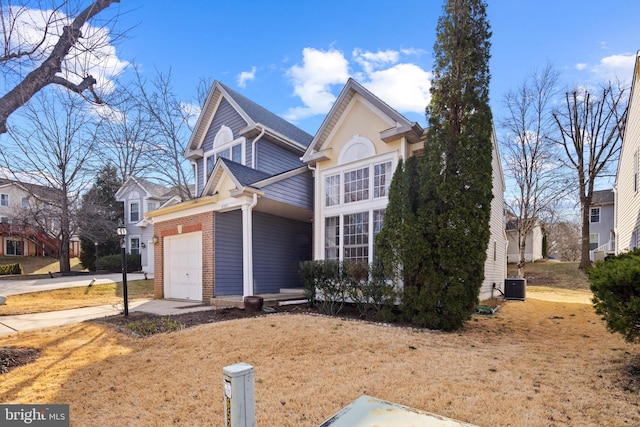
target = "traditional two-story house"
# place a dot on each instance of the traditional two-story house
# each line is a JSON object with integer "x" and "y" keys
{"x": 141, "y": 196}
{"x": 627, "y": 185}
{"x": 249, "y": 226}
{"x": 269, "y": 195}
{"x": 28, "y": 221}
{"x": 354, "y": 155}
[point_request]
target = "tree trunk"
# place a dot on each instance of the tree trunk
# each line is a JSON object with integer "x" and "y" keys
{"x": 585, "y": 260}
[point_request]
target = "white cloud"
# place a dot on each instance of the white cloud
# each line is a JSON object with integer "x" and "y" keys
{"x": 402, "y": 85}
{"x": 405, "y": 87}
{"x": 613, "y": 67}
{"x": 246, "y": 76}
{"x": 313, "y": 80}
{"x": 93, "y": 55}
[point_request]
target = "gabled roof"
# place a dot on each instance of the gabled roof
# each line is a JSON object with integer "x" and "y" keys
{"x": 256, "y": 117}
{"x": 40, "y": 191}
{"x": 151, "y": 189}
{"x": 403, "y": 127}
{"x": 241, "y": 175}
{"x": 602, "y": 197}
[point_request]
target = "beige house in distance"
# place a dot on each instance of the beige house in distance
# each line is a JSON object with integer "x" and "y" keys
{"x": 627, "y": 186}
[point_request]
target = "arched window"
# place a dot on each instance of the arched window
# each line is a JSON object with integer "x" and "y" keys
{"x": 358, "y": 147}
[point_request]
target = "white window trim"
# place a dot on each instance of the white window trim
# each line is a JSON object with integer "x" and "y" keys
{"x": 591, "y": 215}
{"x": 137, "y": 202}
{"x": 7, "y": 198}
{"x": 342, "y": 208}
{"x": 135, "y": 236}
{"x": 351, "y": 207}
{"x": 598, "y": 236}
{"x": 217, "y": 149}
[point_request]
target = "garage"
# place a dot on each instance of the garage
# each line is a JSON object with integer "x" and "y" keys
{"x": 183, "y": 266}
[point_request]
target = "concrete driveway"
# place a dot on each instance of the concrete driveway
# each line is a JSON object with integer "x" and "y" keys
{"x": 14, "y": 287}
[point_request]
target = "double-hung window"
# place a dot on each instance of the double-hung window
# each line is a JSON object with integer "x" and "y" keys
{"x": 134, "y": 246}
{"x": 354, "y": 200}
{"x": 4, "y": 200}
{"x": 594, "y": 215}
{"x": 134, "y": 212}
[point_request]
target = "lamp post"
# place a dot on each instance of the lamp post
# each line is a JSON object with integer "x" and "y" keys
{"x": 122, "y": 232}
{"x": 96, "y": 244}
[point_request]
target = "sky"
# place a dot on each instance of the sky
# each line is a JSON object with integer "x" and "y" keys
{"x": 293, "y": 57}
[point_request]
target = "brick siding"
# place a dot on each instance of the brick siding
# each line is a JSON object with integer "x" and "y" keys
{"x": 201, "y": 222}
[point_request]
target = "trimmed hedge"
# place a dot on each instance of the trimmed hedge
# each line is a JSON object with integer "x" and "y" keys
{"x": 10, "y": 269}
{"x": 114, "y": 263}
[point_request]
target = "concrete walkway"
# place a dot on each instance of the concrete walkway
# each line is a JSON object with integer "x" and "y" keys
{"x": 27, "y": 322}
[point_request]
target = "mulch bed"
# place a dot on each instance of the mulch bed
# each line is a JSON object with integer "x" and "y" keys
{"x": 12, "y": 357}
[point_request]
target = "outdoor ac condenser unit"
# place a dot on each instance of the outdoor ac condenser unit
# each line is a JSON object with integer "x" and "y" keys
{"x": 515, "y": 288}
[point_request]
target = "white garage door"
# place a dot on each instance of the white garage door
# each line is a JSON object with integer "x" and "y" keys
{"x": 183, "y": 266}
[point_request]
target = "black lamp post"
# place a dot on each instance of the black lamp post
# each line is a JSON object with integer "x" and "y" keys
{"x": 96, "y": 244}
{"x": 122, "y": 232}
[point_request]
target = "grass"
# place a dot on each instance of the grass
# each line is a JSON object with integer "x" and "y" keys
{"x": 39, "y": 265}
{"x": 76, "y": 297}
{"x": 536, "y": 363}
{"x": 562, "y": 275}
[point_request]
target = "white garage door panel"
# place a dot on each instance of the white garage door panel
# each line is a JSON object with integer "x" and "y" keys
{"x": 183, "y": 266}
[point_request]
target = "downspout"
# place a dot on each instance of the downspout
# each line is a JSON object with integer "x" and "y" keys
{"x": 254, "y": 153}
{"x": 247, "y": 251}
{"x": 316, "y": 215}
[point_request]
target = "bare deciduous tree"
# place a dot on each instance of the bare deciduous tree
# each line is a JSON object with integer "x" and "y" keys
{"x": 591, "y": 127}
{"x": 43, "y": 38}
{"x": 56, "y": 148}
{"x": 172, "y": 120}
{"x": 530, "y": 156}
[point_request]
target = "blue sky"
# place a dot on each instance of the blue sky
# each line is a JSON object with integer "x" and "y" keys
{"x": 293, "y": 57}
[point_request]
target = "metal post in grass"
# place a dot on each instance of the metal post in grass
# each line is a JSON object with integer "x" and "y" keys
{"x": 239, "y": 398}
{"x": 122, "y": 232}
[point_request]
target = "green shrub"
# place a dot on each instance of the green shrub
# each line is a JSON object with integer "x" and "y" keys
{"x": 114, "y": 263}
{"x": 10, "y": 269}
{"x": 330, "y": 284}
{"x": 615, "y": 284}
{"x": 324, "y": 285}
{"x": 370, "y": 290}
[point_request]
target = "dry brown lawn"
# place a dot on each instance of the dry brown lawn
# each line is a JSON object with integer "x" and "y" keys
{"x": 76, "y": 297}
{"x": 39, "y": 265}
{"x": 536, "y": 363}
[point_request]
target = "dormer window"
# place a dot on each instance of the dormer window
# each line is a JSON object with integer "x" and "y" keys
{"x": 226, "y": 147}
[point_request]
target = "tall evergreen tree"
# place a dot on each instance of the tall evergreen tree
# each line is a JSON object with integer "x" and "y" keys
{"x": 459, "y": 145}
{"x": 436, "y": 227}
{"x": 98, "y": 217}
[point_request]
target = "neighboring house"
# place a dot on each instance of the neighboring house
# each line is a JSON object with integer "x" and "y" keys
{"x": 141, "y": 196}
{"x": 532, "y": 246}
{"x": 354, "y": 155}
{"x": 601, "y": 225}
{"x": 627, "y": 186}
{"x": 249, "y": 226}
{"x": 24, "y": 210}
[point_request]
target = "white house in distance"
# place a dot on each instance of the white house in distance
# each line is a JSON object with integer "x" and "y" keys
{"x": 141, "y": 196}
{"x": 602, "y": 238}
{"x": 627, "y": 186}
{"x": 533, "y": 243}
{"x": 354, "y": 155}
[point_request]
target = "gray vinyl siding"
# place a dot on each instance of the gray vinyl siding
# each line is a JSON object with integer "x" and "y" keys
{"x": 295, "y": 191}
{"x": 228, "y": 253}
{"x": 225, "y": 115}
{"x": 274, "y": 159}
{"x": 279, "y": 245}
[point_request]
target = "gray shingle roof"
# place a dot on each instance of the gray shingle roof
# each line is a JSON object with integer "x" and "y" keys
{"x": 603, "y": 197}
{"x": 245, "y": 175}
{"x": 261, "y": 115}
